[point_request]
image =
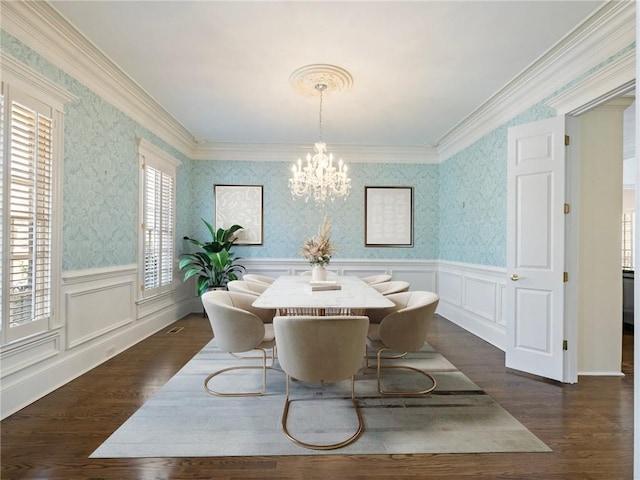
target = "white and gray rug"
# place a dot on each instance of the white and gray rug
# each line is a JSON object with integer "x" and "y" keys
{"x": 183, "y": 420}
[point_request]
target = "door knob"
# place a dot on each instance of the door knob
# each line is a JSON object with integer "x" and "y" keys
{"x": 514, "y": 277}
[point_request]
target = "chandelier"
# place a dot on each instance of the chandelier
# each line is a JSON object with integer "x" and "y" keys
{"x": 319, "y": 177}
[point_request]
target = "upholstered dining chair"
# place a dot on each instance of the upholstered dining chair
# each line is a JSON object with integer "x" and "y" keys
{"x": 252, "y": 277}
{"x": 249, "y": 288}
{"x": 394, "y": 286}
{"x": 239, "y": 327}
{"x": 403, "y": 329}
{"x": 373, "y": 279}
{"x": 320, "y": 349}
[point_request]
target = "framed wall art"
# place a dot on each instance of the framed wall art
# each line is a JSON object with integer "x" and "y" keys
{"x": 388, "y": 216}
{"x": 241, "y": 205}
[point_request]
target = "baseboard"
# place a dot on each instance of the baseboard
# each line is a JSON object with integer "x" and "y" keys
{"x": 68, "y": 365}
{"x": 601, "y": 374}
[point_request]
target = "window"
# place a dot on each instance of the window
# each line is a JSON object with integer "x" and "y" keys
{"x": 158, "y": 218}
{"x": 628, "y": 220}
{"x": 31, "y": 142}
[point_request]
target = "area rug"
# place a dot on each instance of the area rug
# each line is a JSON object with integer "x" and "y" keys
{"x": 183, "y": 420}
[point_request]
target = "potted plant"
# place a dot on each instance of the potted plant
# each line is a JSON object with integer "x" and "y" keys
{"x": 214, "y": 266}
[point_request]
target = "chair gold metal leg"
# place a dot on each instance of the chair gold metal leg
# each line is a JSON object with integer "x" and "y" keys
{"x": 390, "y": 357}
{"x": 332, "y": 446}
{"x": 241, "y": 367}
{"x": 404, "y": 367}
{"x": 273, "y": 357}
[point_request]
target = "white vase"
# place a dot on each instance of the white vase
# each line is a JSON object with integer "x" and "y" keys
{"x": 318, "y": 273}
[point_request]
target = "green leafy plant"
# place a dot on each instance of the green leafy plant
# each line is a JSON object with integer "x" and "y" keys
{"x": 214, "y": 266}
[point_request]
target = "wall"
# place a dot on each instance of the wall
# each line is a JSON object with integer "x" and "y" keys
{"x": 460, "y": 208}
{"x": 600, "y": 275}
{"x": 288, "y": 222}
{"x": 98, "y": 313}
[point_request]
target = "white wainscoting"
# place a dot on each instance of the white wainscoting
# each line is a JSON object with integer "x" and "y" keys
{"x": 421, "y": 274}
{"x": 473, "y": 296}
{"x": 100, "y": 317}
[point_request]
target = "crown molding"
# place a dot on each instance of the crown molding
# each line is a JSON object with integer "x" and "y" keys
{"x": 607, "y": 32}
{"x": 285, "y": 152}
{"x": 610, "y": 82}
{"x": 42, "y": 28}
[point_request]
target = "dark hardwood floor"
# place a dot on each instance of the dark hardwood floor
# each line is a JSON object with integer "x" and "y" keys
{"x": 589, "y": 425}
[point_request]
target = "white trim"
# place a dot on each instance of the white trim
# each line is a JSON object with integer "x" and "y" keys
{"x": 71, "y": 277}
{"x": 19, "y": 80}
{"x": 24, "y": 387}
{"x": 33, "y": 83}
{"x": 466, "y": 284}
{"x": 41, "y": 27}
{"x": 285, "y": 152}
{"x": 610, "y": 82}
{"x": 157, "y": 157}
{"x": 604, "y": 34}
{"x": 609, "y": 30}
{"x": 601, "y": 374}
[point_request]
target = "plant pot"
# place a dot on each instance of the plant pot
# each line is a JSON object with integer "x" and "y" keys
{"x": 318, "y": 273}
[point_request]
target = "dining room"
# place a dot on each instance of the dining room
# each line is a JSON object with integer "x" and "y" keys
{"x": 418, "y": 191}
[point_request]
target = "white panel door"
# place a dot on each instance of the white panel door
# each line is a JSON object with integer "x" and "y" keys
{"x": 535, "y": 247}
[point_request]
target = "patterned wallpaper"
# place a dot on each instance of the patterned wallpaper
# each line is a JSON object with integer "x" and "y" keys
{"x": 100, "y": 189}
{"x": 459, "y": 205}
{"x": 473, "y": 197}
{"x": 288, "y": 222}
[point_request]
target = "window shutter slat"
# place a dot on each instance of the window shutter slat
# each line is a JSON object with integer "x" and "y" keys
{"x": 158, "y": 228}
{"x": 29, "y": 208}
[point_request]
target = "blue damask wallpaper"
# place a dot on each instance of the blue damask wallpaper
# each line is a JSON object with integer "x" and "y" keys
{"x": 288, "y": 222}
{"x": 459, "y": 205}
{"x": 101, "y": 175}
{"x": 473, "y": 197}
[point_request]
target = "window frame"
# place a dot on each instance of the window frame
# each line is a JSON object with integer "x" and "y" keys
{"x": 27, "y": 87}
{"x": 158, "y": 159}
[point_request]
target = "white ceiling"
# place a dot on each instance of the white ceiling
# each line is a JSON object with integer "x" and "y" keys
{"x": 221, "y": 68}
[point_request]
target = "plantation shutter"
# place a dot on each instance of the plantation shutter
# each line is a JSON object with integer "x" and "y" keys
{"x": 158, "y": 228}
{"x": 30, "y": 215}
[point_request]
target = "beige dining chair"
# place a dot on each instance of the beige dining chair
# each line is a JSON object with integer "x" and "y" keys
{"x": 374, "y": 279}
{"x": 239, "y": 327}
{"x": 320, "y": 349}
{"x": 249, "y": 288}
{"x": 252, "y": 277}
{"x": 388, "y": 288}
{"x": 403, "y": 329}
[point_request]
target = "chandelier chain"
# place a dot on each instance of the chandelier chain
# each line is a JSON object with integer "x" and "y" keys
{"x": 319, "y": 178}
{"x": 321, "y": 87}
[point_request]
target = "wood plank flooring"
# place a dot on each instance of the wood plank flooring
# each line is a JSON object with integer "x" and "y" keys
{"x": 589, "y": 425}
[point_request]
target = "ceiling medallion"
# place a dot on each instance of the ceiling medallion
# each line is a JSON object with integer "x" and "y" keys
{"x": 304, "y": 79}
{"x": 318, "y": 177}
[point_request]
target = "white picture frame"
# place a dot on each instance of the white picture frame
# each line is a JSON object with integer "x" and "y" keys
{"x": 241, "y": 205}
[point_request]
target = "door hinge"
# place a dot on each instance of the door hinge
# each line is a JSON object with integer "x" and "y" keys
{"x": 567, "y": 209}
{"x": 565, "y": 345}
{"x": 565, "y": 276}
{"x": 567, "y": 140}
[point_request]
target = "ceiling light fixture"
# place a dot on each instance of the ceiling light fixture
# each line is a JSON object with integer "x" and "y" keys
{"x": 318, "y": 177}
